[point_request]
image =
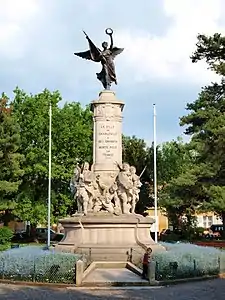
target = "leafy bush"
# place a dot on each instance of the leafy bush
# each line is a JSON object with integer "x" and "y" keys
{"x": 192, "y": 261}
{"x": 32, "y": 263}
{"x": 199, "y": 233}
{"x": 173, "y": 237}
{"x": 4, "y": 247}
{"x": 6, "y": 235}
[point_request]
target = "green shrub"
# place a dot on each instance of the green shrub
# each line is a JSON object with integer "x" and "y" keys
{"x": 6, "y": 235}
{"x": 199, "y": 232}
{"x": 4, "y": 247}
{"x": 189, "y": 261}
{"x": 32, "y": 263}
{"x": 171, "y": 237}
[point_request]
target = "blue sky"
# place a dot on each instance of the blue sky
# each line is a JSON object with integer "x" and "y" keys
{"x": 38, "y": 38}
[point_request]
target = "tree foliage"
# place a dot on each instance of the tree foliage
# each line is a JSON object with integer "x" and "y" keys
{"x": 136, "y": 153}
{"x": 175, "y": 195}
{"x": 172, "y": 158}
{"x": 206, "y": 123}
{"x": 10, "y": 158}
{"x": 71, "y": 142}
{"x": 202, "y": 184}
{"x": 212, "y": 50}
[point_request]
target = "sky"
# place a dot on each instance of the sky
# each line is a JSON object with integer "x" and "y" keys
{"x": 38, "y": 39}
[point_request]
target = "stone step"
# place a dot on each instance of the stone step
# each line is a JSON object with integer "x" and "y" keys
{"x": 112, "y": 254}
{"x": 113, "y": 277}
{"x": 108, "y": 257}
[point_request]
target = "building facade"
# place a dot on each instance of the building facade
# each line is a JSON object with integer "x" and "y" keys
{"x": 204, "y": 220}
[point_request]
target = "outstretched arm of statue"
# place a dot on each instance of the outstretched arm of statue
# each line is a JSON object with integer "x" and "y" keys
{"x": 111, "y": 41}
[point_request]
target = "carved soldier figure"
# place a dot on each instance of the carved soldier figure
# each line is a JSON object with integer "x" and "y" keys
{"x": 114, "y": 197}
{"x": 78, "y": 190}
{"x": 82, "y": 196}
{"x": 136, "y": 188}
{"x": 82, "y": 188}
{"x": 102, "y": 186}
{"x": 88, "y": 179}
{"x": 107, "y": 202}
{"x": 75, "y": 179}
{"x": 125, "y": 187}
{"x": 100, "y": 190}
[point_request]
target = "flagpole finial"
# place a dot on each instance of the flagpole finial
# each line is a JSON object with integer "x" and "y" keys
{"x": 154, "y": 109}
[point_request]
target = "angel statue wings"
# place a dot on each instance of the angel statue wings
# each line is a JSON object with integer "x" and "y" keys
{"x": 106, "y": 57}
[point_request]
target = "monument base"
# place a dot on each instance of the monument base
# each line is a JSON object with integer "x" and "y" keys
{"x": 106, "y": 237}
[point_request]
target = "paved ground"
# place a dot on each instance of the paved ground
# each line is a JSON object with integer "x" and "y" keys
{"x": 112, "y": 275}
{"x": 205, "y": 290}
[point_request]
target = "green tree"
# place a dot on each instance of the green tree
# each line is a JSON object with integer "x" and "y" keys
{"x": 10, "y": 159}
{"x": 200, "y": 185}
{"x": 175, "y": 159}
{"x": 206, "y": 125}
{"x": 6, "y": 235}
{"x": 136, "y": 153}
{"x": 172, "y": 157}
{"x": 212, "y": 50}
{"x": 180, "y": 197}
{"x": 71, "y": 141}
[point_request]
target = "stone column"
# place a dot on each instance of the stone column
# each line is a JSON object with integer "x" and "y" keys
{"x": 107, "y": 140}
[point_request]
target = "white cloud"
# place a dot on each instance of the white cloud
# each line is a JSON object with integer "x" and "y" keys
{"x": 15, "y": 16}
{"x": 168, "y": 56}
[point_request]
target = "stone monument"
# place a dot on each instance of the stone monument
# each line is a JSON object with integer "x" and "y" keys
{"x": 106, "y": 193}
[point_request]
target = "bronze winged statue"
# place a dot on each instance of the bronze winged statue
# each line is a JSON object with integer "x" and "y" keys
{"x": 106, "y": 57}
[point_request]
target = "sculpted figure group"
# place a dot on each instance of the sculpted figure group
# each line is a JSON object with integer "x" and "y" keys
{"x": 92, "y": 195}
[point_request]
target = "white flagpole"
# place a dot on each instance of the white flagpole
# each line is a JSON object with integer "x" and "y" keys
{"x": 155, "y": 176}
{"x": 49, "y": 174}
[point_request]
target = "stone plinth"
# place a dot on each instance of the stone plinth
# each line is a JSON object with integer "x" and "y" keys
{"x": 107, "y": 237}
{"x": 106, "y": 227}
{"x": 107, "y": 139}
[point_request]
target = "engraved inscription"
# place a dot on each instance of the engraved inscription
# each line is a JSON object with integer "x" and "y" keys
{"x": 107, "y": 142}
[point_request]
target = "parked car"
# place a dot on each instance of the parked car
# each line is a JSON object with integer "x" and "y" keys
{"x": 39, "y": 234}
{"x": 22, "y": 237}
{"x": 217, "y": 228}
{"x": 171, "y": 235}
{"x": 42, "y": 234}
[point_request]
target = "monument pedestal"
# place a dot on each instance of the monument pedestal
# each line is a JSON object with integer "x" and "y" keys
{"x": 107, "y": 136}
{"x": 106, "y": 237}
{"x": 106, "y": 228}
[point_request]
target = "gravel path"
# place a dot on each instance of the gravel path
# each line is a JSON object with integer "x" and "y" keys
{"x": 205, "y": 290}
